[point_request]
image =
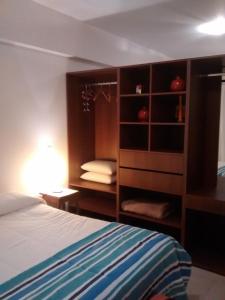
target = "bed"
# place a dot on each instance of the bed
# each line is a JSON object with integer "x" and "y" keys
{"x": 47, "y": 253}
{"x": 221, "y": 168}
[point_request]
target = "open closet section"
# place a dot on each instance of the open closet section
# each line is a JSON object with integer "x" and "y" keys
{"x": 92, "y": 135}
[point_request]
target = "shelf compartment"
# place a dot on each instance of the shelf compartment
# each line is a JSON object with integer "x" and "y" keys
{"x": 129, "y": 108}
{"x": 131, "y": 76}
{"x": 165, "y": 109}
{"x": 164, "y": 73}
{"x": 155, "y": 181}
{"x": 169, "y": 93}
{"x": 163, "y": 162}
{"x": 134, "y": 95}
{"x": 95, "y": 186}
{"x": 99, "y": 205}
{"x": 133, "y": 136}
{"x": 134, "y": 123}
{"x": 167, "y": 124}
{"x": 167, "y": 138}
{"x": 173, "y": 220}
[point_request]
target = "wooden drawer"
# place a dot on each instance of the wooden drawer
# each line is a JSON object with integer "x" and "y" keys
{"x": 164, "y": 162}
{"x": 166, "y": 183}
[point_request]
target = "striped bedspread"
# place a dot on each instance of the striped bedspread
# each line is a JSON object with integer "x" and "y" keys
{"x": 221, "y": 171}
{"x": 117, "y": 262}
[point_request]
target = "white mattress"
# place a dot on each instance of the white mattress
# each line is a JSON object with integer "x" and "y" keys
{"x": 30, "y": 235}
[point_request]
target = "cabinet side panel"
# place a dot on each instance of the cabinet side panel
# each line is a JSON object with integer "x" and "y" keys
{"x": 205, "y": 93}
{"x": 195, "y": 146}
{"x": 106, "y": 125}
{"x": 212, "y": 96}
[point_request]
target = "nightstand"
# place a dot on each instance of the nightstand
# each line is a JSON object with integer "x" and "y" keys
{"x": 61, "y": 199}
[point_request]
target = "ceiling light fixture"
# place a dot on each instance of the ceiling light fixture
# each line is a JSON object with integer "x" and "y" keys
{"x": 214, "y": 27}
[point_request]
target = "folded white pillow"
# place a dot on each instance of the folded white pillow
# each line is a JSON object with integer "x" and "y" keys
{"x": 10, "y": 202}
{"x": 106, "y": 167}
{"x": 102, "y": 178}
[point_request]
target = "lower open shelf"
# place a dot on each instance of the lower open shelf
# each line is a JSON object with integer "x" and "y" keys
{"x": 174, "y": 220}
{"x": 150, "y": 224}
{"x": 97, "y": 204}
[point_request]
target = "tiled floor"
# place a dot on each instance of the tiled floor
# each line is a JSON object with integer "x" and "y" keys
{"x": 205, "y": 285}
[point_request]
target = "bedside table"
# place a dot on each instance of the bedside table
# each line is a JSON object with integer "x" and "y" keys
{"x": 61, "y": 199}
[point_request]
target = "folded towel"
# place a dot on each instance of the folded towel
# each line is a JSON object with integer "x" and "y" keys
{"x": 150, "y": 208}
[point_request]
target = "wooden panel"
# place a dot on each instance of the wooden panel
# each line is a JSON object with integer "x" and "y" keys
{"x": 202, "y": 203}
{"x": 210, "y": 200}
{"x": 105, "y": 125}
{"x": 173, "y": 220}
{"x": 164, "y": 162}
{"x": 95, "y": 186}
{"x": 98, "y": 205}
{"x": 205, "y": 93}
{"x": 166, "y": 183}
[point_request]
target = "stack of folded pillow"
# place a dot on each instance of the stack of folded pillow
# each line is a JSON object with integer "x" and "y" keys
{"x": 152, "y": 208}
{"x": 102, "y": 171}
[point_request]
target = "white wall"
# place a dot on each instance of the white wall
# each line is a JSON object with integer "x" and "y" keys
{"x": 32, "y": 107}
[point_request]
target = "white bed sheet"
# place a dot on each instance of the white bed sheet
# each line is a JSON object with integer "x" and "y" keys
{"x": 30, "y": 235}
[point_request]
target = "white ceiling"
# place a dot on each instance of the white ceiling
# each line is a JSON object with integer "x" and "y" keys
{"x": 164, "y": 26}
{"x": 91, "y": 9}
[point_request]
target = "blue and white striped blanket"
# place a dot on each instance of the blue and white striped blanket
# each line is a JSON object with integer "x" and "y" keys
{"x": 221, "y": 171}
{"x": 117, "y": 262}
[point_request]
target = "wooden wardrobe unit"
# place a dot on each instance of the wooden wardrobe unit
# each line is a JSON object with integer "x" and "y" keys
{"x": 159, "y": 158}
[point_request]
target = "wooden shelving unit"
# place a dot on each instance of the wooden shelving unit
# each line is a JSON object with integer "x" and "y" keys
{"x": 161, "y": 132}
{"x": 172, "y": 153}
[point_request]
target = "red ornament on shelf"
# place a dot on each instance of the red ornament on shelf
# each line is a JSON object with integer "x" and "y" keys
{"x": 177, "y": 84}
{"x": 143, "y": 114}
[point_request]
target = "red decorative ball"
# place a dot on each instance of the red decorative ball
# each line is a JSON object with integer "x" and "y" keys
{"x": 177, "y": 84}
{"x": 143, "y": 114}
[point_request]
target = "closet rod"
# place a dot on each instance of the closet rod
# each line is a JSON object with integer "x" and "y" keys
{"x": 212, "y": 75}
{"x": 101, "y": 83}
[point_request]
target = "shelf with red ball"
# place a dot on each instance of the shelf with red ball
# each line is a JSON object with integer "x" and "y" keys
{"x": 134, "y": 123}
{"x": 153, "y": 107}
{"x": 169, "y": 93}
{"x": 135, "y": 95}
{"x": 169, "y": 77}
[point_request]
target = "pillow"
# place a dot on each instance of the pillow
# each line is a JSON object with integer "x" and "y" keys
{"x": 107, "y": 167}
{"x": 10, "y": 202}
{"x": 102, "y": 178}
